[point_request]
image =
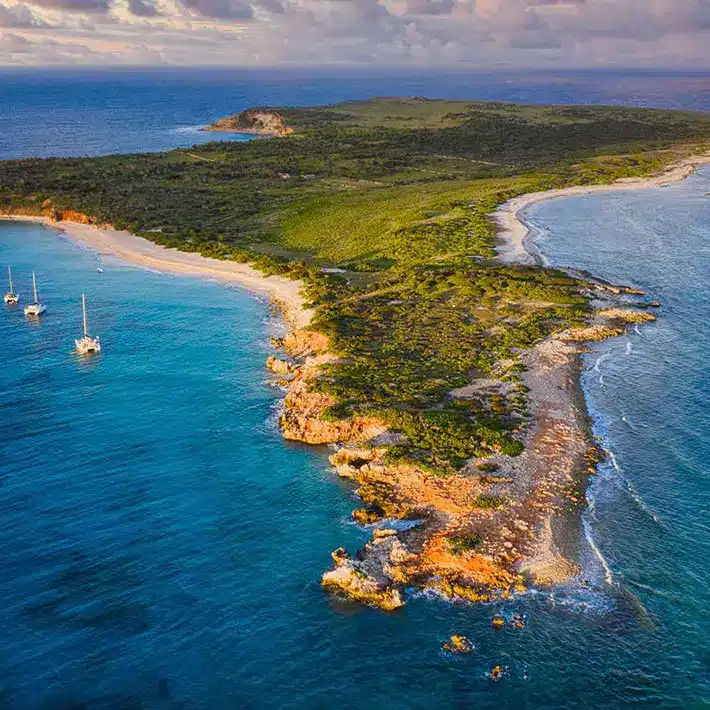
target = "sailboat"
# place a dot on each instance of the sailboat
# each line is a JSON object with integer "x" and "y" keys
{"x": 36, "y": 308}
{"x": 11, "y": 297}
{"x": 86, "y": 344}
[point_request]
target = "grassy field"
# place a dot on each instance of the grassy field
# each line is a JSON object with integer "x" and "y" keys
{"x": 397, "y": 193}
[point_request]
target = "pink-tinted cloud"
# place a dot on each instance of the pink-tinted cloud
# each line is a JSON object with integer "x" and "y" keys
{"x": 525, "y": 33}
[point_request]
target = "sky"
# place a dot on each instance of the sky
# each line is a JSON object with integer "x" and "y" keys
{"x": 540, "y": 34}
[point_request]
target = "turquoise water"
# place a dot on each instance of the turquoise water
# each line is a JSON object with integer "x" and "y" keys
{"x": 161, "y": 546}
{"x": 648, "y": 393}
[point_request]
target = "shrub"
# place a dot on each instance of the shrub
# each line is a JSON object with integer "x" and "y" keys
{"x": 461, "y": 544}
{"x": 488, "y": 502}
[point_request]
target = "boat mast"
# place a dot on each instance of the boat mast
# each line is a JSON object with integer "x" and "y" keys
{"x": 83, "y": 310}
{"x": 9, "y": 274}
{"x": 34, "y": 286}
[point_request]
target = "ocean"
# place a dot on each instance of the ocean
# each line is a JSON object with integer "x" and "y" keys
{"x": 70, "y": 113}
{"x": 162, "y": 545}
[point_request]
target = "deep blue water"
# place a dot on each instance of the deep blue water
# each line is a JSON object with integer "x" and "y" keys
{"x": 161, "y": 545}
{"x": 648, "y": 393}
{"x": 62, "y": 113}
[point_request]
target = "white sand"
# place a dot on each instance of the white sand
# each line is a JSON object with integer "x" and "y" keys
{"x": 136, "y": 250}
{"x": 286, "y": 293}
{"x": 514, "y": 230}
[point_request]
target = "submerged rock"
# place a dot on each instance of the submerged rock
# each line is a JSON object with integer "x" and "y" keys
{"x": 496, "y": 673}
{"x": 458, "y": 644}
{"x": 517, "y": 621}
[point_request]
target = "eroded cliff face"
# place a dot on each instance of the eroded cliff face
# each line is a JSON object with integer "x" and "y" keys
{"x": 48, "y": 210}
{"x": 260, "y": 121}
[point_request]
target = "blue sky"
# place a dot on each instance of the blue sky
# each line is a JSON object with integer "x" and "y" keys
{"x": 545, "y": 34}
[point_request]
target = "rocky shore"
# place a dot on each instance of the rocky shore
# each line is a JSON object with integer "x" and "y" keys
{"x": 499, "y": 524}
{"x": 255, "y": 121}
{"x": 486, "y": 531}
{"x": 494, "y": 527}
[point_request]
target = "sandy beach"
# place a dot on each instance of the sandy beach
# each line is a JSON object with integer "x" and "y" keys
{"x": 136, "y": 250}
{"x": 540, "y": 527}
{"x": 513, "y": 230}
{"x": 554, "y": 466}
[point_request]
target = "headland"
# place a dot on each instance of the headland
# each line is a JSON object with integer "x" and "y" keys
{"x": 446, "y": 378}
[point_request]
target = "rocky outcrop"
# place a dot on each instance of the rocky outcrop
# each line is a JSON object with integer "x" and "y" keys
{"x": 279, "y": 367}
{"x": 72, "y": 216}
{"x": 438, "y": 509}
{"x": 628, "y": 315}
{"x": 47, "y": 210}
{"x": 364, "y": 581}
{"x": 304, "y": 415}
{"x": 444, "y": 540}
{"x": 258, "y": 121}
{"x": 458, "y": 644}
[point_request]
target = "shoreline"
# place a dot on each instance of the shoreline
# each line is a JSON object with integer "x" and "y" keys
{"x": 536, "y": 539}
{"x": 557, "y": 551}
{"x": 105, "y": 240}
{"x": 514, "y": 231}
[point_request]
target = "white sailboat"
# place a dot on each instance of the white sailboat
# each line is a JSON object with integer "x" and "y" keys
{"x": 86, "y": 344}
{"x": 36, "y": 308}
{"x": 11, "y": 297}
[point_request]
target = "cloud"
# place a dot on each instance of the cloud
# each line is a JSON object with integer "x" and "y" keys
{"x": 82, "y": 6}
{"x": 14, "y": 44}
{"x": 17, "y": 16}
{"x": 141, "y": 8}
{"x": 430, "y": 7}
{"x": 274, "y": 6}
{"x": 525, "y": 33}
{"x": 221, "y": 9}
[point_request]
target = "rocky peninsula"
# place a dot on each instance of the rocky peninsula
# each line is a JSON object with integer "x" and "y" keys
{"x": 444, "y": 377}
{"x": 498, "y": 524}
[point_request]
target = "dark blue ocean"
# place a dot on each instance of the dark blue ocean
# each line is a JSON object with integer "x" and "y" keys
{"x": 62, "y": 113}
{"x": 161, "y": 545}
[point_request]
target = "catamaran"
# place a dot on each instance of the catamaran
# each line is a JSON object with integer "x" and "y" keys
{"x": 11, "y": 297}
{"x": 36, "y": 308}
{"x": 86, "y": 344}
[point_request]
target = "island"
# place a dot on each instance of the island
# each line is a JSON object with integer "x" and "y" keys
{"x": 429, "y": 349}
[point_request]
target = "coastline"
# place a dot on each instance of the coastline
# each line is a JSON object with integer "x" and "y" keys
{"x": 561, "y": 426}
{"x": 513, "y": 230}
{"x": 534, "y": 539}
{"x": 103, "y": 239}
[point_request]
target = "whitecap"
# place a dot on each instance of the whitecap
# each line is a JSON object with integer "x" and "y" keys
{"x": 188, "y": 129}
{"x": 608, "y": 574}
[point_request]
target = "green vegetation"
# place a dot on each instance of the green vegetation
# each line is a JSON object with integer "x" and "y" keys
{"x": 396, "y": 193}
{"x": 486, "y": 502}
{"x": 462, "y": 544}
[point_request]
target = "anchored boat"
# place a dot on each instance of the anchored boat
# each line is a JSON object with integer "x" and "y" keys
{"x": 11, "y": 297}
{"x": 35, "y": 309}
{"x": 86, "y": 345}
